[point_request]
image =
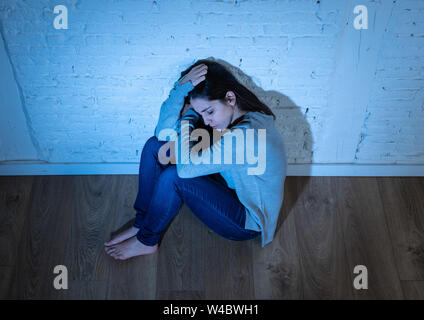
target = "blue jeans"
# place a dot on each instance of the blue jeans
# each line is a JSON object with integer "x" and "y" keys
{"x": 161, "y": 193}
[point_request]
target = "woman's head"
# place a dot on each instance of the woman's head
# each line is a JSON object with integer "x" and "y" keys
{"x": 221, "y": 98}
{"x": 217, "y": 113}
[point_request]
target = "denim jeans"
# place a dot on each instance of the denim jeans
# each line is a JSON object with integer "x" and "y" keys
{"x": 161, "y": 193}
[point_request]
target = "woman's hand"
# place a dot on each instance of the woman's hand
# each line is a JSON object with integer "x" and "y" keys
{"x": 195, "y": 75}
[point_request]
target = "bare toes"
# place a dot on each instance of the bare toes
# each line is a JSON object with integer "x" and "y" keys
{"x": 119, "y": 256}
{"x": 112, "y": 251}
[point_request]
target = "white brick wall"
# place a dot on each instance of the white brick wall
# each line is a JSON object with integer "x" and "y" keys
{"x": 393, "y": 128}
{"x": 93, "y": 92}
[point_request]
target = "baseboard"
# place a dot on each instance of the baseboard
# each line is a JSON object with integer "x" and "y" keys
{"x": 22, "y": 169}
{"x": 356, "y": 170}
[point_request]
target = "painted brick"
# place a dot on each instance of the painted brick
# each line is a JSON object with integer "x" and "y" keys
{"x": 119, "y": 59}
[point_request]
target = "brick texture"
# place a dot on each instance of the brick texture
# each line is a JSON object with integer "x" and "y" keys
{"x": 93, "y": 92}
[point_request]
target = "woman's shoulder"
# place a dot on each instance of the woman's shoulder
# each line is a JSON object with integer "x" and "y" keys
{"x": 241, "y": 122}
{"x": 254, "y": 120}
{"x": 258, "y": 120}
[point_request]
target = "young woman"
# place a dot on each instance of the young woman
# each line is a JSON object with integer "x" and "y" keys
{"x": 235, "y": 200}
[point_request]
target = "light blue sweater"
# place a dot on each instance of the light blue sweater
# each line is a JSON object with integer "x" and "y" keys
{"x": 259, "y": 185}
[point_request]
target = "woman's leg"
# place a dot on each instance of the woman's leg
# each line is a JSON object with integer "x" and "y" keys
{"x": 149, "y": 171}
{"x": 214, "y": 204}
{"x": 148, "y": 174}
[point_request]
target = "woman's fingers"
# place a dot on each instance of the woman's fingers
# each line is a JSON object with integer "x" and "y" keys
{"x": 196, "y": 75}
{"x": 198, "y": 80}
{"x": 202, "y": 71}
{"x": 200, "y": 66}
{"x": 199, "y": 75}
{"x": 199, "y": 69}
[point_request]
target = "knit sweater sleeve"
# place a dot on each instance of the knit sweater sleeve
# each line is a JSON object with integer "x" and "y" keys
{"x": 198, "y": 159}
{"x": 170, "y": 109}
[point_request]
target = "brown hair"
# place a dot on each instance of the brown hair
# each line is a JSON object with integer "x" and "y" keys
{"x": 216, "y": 85}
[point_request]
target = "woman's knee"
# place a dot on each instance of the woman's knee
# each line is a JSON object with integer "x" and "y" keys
{"x": 152, "y": 145}
{"x": 169, "y": 175}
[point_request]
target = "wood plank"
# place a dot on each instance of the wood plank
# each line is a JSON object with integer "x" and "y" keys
{"x": 80, "y": 290}
{"x": 228, "y": 268}
{"x": 322, "y": 255}
{"x": 366, "y": 237}
{"x": 181, "y": 295}
{"x": 218, "y": 277}
{"x": 403, "y": 204}
{"x": 181, "y": 256}
{"x": 413, "y": 290}
{"x": 134, "y": 278}
{"x": 328, "y": 226}
{"x": 93, "y": 211}
{"x": 6, "y": 285}
{"x": 276, "y": 267}
{"x": 44, "y": 238}
{"x": 15, "y": 195}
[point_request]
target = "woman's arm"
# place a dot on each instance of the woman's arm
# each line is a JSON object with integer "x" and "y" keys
{"x": 188, "y": 115}
{"x": 213, "y": 155}
{"x": 171, "y": 107}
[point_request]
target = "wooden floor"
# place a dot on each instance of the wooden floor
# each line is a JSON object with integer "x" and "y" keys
{"x": 328, "y": 226}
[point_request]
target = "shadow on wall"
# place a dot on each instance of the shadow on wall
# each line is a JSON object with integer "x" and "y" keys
{"x": 294, "y": 129}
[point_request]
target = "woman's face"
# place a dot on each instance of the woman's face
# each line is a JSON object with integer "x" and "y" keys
{"x": 215, "y": 114}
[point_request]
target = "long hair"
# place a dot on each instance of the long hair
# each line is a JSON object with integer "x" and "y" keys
{"x": 216, "y": 85}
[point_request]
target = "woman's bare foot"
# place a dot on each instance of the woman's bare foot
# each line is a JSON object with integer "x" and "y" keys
{"x": 130, "y": 248}
{"x": 122, "y": 236}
